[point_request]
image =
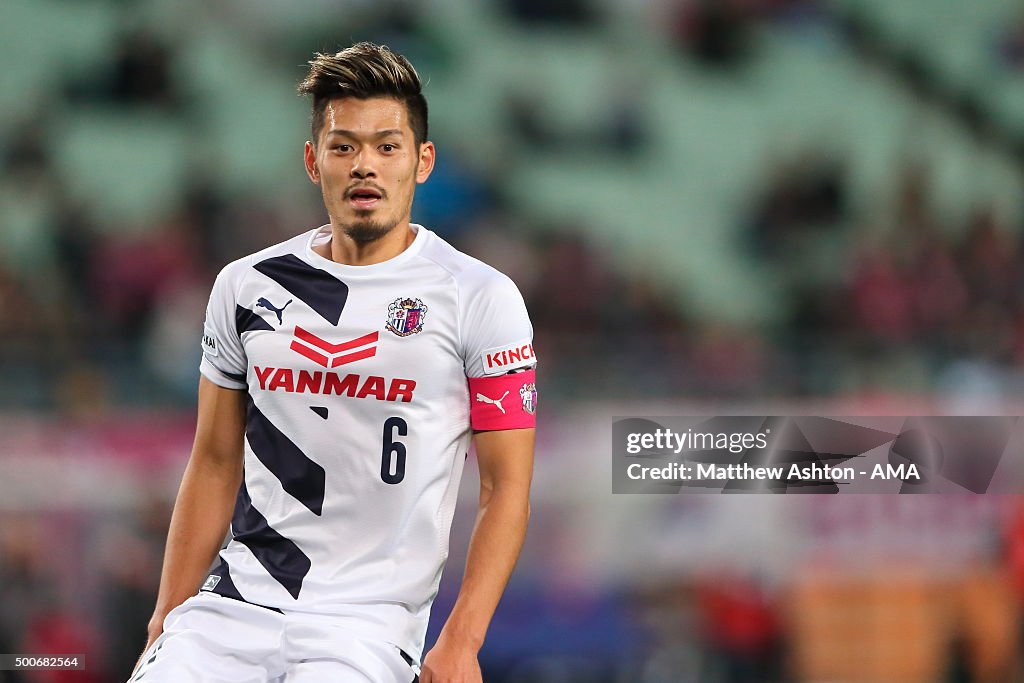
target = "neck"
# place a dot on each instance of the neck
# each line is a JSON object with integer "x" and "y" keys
{"x": 343, "y": 249}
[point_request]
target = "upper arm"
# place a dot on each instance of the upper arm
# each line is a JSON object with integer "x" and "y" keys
{"x": 505, "y": 458}
{"x": 498, "y": 355}
{"x": 220, "y": 425}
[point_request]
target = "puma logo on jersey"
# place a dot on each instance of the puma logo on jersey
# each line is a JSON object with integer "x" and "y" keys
{"x": 262, "y": 302}
{"x": 211, "y": 582}
{"x": 493, "y": 401}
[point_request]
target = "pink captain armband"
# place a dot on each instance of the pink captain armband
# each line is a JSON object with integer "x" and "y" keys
{"x": 503, "y": 402}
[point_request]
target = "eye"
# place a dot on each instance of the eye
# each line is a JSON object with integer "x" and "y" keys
{"x": 341, "y": 147}
{"x": 387, "y": 147}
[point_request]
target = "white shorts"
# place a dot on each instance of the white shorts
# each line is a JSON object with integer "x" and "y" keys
{"x": 213, "y": 639}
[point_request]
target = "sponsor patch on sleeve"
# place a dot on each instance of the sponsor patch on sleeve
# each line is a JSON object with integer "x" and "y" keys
{"x": 502, "y": 359}
{"x": 209, "y": 343}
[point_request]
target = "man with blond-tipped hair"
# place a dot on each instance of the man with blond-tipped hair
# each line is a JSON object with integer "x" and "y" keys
{"x": 344, "y": 373}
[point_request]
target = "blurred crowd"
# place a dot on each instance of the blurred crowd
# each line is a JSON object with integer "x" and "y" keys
{"x": 99, "y": 611}
{"x": 904, "y": 289}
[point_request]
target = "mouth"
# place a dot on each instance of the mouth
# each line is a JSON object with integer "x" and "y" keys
{"x": 364, "y": 198}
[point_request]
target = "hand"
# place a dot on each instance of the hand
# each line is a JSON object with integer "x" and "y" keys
{"x": 451, "y": 662}
{"x": 155, "y": 628}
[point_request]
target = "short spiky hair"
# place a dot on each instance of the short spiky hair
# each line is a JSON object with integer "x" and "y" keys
{"x": 363, "y": 71}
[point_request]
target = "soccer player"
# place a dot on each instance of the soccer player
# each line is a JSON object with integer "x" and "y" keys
{"x": 344, "y": 373}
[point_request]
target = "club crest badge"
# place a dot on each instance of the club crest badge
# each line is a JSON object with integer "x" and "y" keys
{"x": 406, "y": 316}
{"x": 528, "y": 393}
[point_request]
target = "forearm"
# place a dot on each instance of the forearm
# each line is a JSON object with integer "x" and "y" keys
{"x": 200, "y": 519}
{"x": 493, "y": 550}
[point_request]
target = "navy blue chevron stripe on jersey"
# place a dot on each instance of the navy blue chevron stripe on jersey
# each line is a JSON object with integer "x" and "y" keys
{"x": 226, "y": 587}
{"x": 282, "y": 559}
{"x": 247, "y": 321}
{"x": 303, "y": 479}
{"x": 321, "y": 291}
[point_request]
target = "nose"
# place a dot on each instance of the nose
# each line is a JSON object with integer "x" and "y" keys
{"x": 362, "y": 167}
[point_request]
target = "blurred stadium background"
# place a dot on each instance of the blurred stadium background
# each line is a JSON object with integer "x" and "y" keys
{"x": 776, "y": 206}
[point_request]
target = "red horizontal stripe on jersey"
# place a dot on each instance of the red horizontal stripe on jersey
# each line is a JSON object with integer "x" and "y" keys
{"x": 352, "y": 357}
{"x": 316, "y": 341}
{"x": 318, "y": 358}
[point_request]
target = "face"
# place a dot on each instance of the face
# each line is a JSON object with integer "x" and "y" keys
{"x": 367, "y": 164}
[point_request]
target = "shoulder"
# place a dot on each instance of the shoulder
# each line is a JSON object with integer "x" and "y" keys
{"x": 472, "y": 277}
{"x": 235, "y": 272}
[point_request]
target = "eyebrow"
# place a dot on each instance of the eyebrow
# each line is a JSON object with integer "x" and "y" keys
{"x": 351, "y": 134}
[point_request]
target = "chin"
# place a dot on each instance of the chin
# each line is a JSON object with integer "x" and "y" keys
{"x": 364, "y": 229}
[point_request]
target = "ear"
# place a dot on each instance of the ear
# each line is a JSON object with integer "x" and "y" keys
{"x": 426, "y": 162}
{"x": 309, "y": 155}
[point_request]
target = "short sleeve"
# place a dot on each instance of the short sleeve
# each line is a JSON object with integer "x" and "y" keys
{"x": 497, "y": 335}
{"x": 224, "y": 361}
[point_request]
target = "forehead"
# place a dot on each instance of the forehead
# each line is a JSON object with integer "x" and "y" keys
{"x": 365, "y": 116}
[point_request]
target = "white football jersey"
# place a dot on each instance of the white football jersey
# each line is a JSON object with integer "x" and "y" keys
{"x": 357, "y": 423}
